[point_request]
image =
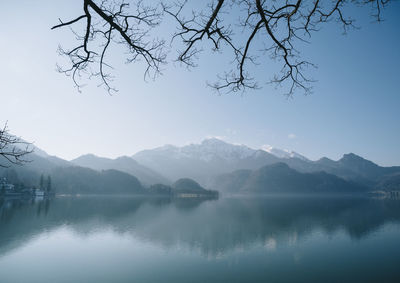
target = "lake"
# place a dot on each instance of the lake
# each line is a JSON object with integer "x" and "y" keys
{"x": 232, "y": 239}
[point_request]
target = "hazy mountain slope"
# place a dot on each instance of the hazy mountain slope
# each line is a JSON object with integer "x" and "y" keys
{"x": 213, "y": 157}
{"x": 67, "y": 178}
{"x": 29, "y": 173}
{"x": 366, "y": 168}
{"x": 231, "y": 182}
{"x": 125, "y": 164}
{"x": 280, "y": 178}
{"x": 202, "y": 161}
{"x": 389, "y": 183}
{"x": 350, "y": 167}
{"x": 79, "y": 180}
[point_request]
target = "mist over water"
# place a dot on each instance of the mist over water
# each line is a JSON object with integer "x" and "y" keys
{"x": 252, "y": 239}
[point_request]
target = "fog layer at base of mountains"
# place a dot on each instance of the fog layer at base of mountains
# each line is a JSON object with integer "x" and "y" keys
{"x": 214, "y": 164}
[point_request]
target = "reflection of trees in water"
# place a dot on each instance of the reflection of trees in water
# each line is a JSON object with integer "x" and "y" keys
{"x": 42, "y": 207}
{"x": 214, "y": 227}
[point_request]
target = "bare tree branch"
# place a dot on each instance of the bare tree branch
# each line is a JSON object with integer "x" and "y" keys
{"x": 13, "y": 150}
{"x": 279, "y": 25}
{"x": 112, "y": 22}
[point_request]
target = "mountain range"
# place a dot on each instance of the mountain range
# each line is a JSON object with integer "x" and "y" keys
{"x": 204, "y": 162}
{"x": 125, "y": 164}
{"x": 280, "y": 178}
{"x": 214, "y": 164}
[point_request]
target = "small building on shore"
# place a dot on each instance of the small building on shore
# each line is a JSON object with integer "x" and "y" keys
{"x": 6, "y": 187}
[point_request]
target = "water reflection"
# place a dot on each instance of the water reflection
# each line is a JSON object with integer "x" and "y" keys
{"x": 212, "y": 227}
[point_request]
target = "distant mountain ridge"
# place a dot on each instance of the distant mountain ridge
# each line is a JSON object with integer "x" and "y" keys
{"x": 206, "y": 163}
{"x": 213, "y": 157}
{"x": 350, "y": 167}
{"x": 125, "y": 164}
{"x": 280, "y": 178}
{"x": 203, "y": 161}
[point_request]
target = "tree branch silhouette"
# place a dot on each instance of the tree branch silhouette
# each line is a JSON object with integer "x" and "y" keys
{"x": 13, "y": 150}
{"x": 108, "y": 23}
{"x": 280, "y": 26}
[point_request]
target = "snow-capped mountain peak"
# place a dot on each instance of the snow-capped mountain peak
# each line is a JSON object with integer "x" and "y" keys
{"x": 282, "y": 153}
{"x": 216, "y": 148}
{"x": 213, "y": 149}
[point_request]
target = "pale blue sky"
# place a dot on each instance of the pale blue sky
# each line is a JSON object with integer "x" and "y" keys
{"x": 354, "y": 107}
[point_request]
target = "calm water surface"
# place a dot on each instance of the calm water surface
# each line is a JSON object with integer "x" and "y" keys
{"x": 264, "y": 239}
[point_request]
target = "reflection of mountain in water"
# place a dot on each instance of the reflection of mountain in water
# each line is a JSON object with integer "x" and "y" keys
{"x": 214, "y": 227}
